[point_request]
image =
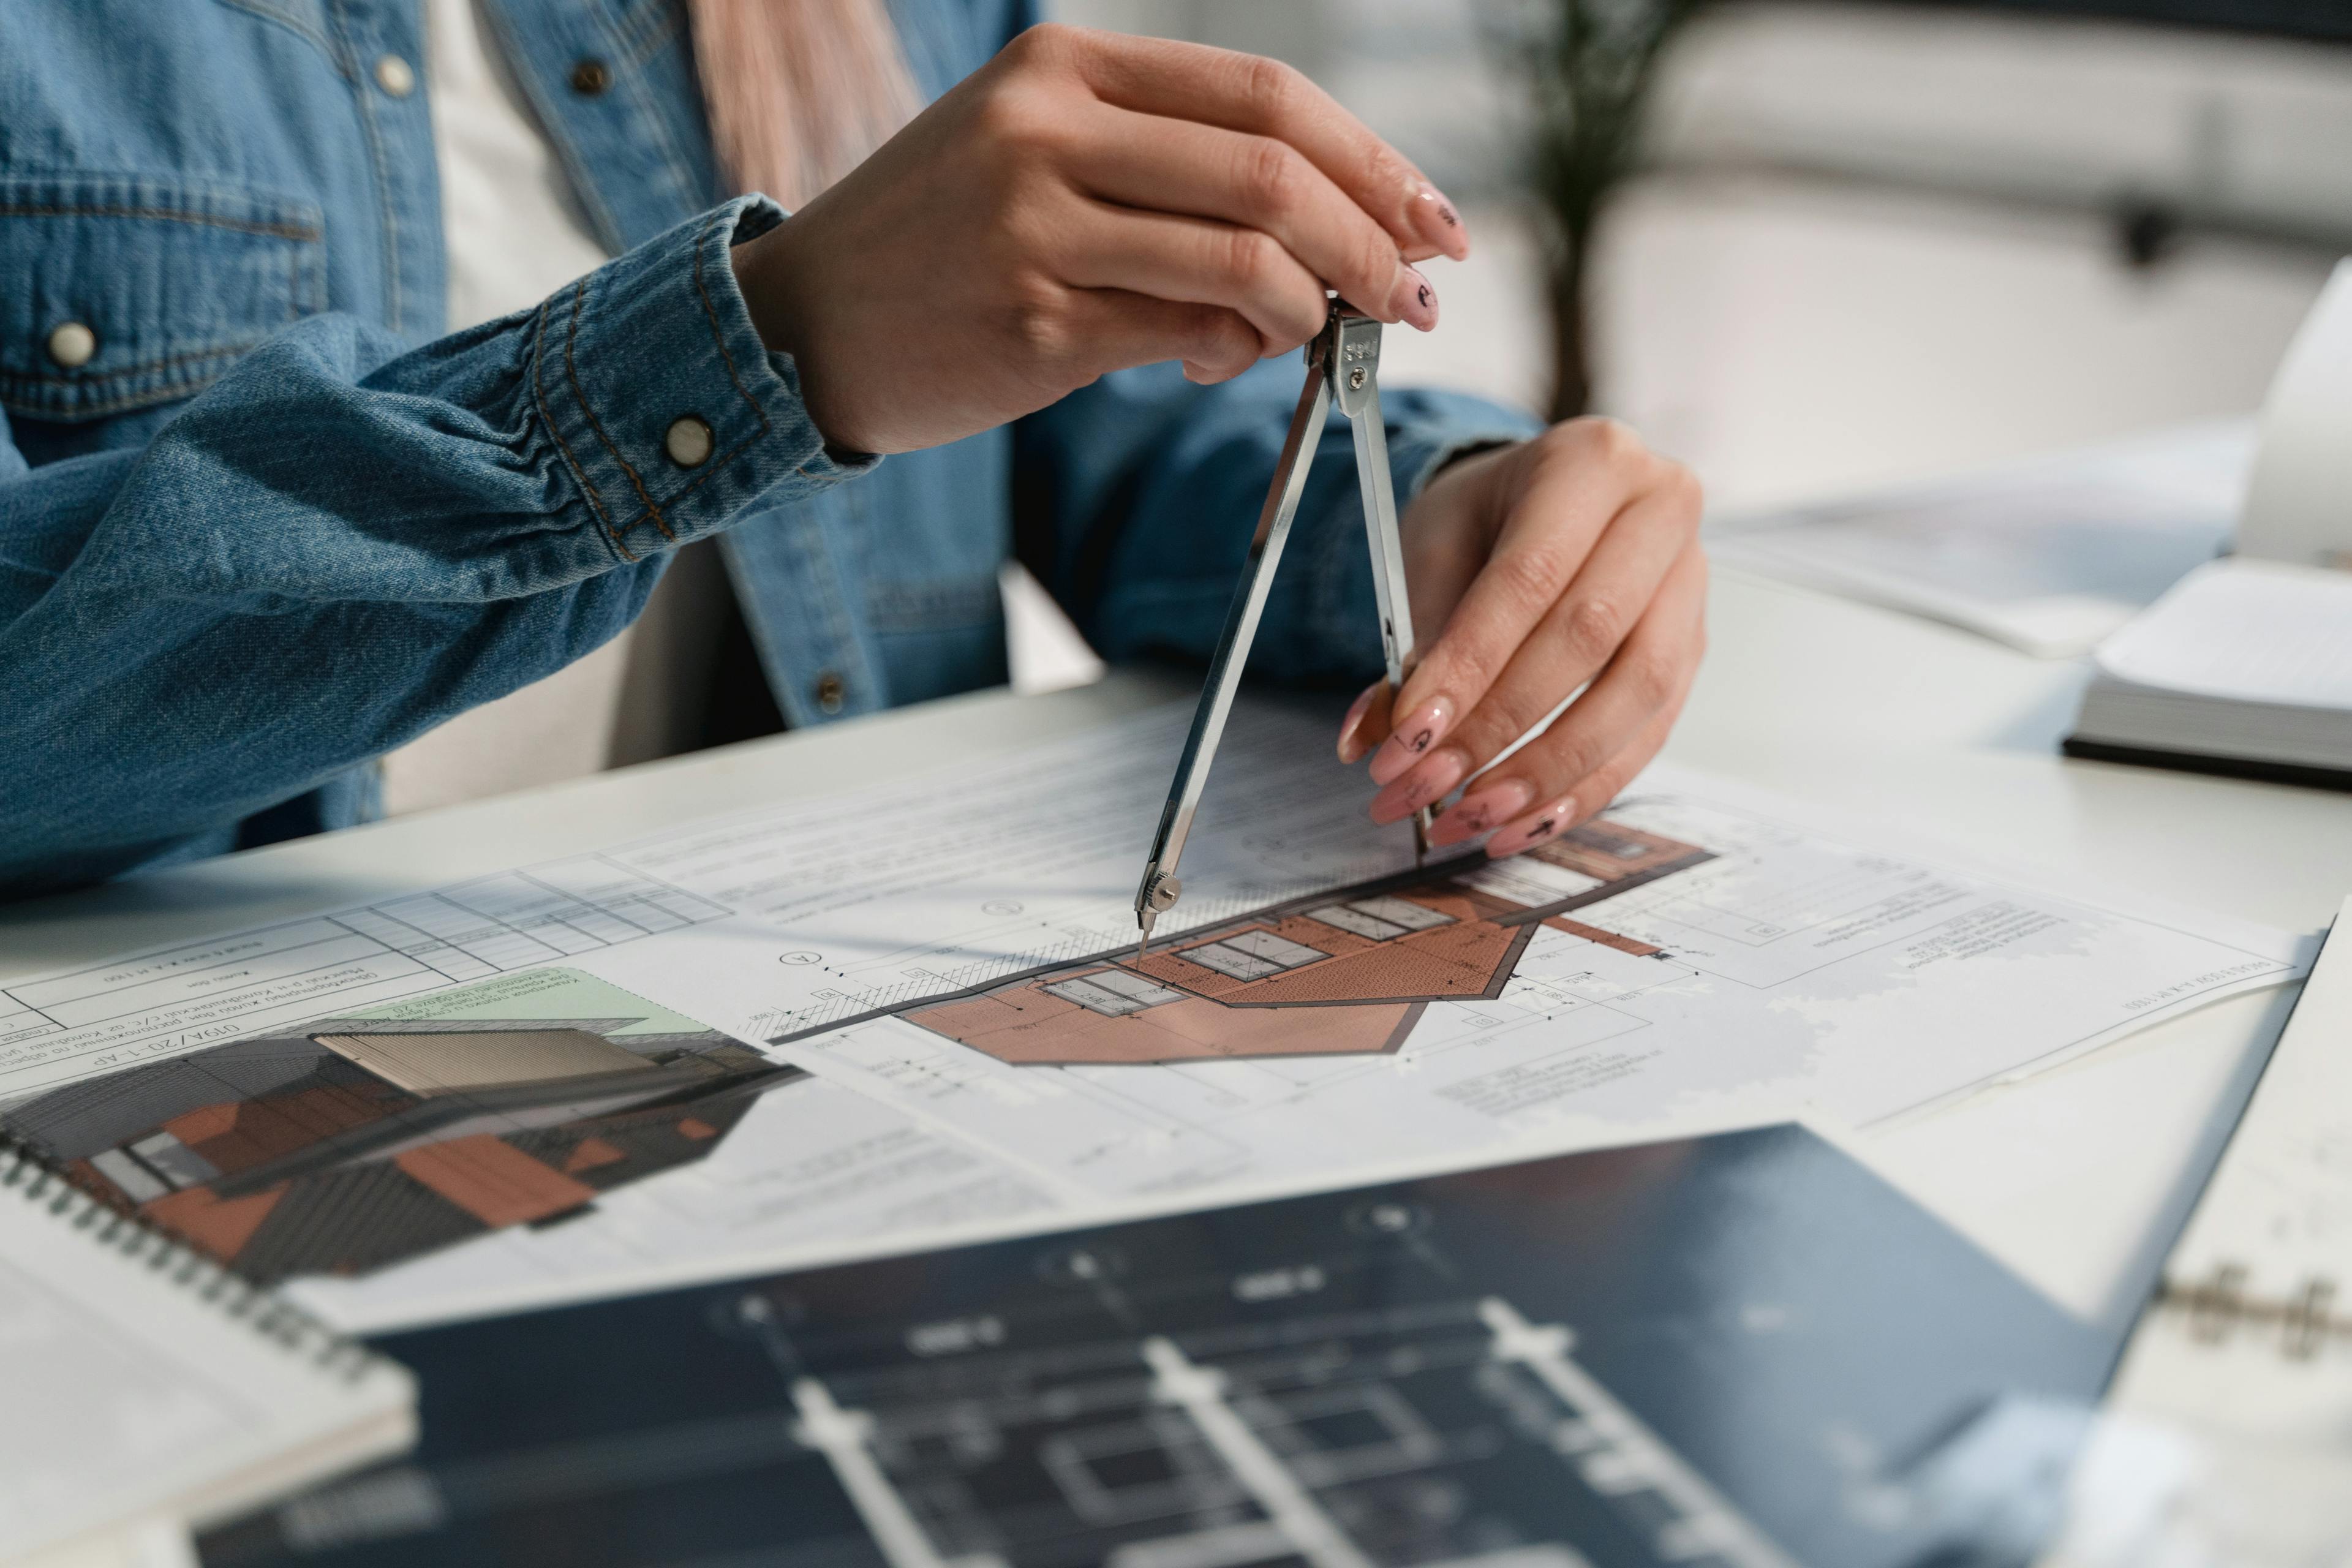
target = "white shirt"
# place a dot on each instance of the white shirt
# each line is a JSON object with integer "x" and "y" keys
{"x": 516, "y": 233}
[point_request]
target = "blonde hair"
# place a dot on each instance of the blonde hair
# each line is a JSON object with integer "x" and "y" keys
{"x": 799, "y": 91}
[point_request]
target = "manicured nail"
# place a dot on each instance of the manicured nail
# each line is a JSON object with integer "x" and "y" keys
{"x": 1533, "y": 828}
{"x": 1412, "y": 740}
{"x": 1482, "y": 809}
{"x": 1434, "y": 219}
{"x": 1413, "y": 300}
{"x": 1351, "y": 747}
{"x": 1426, "y": 784}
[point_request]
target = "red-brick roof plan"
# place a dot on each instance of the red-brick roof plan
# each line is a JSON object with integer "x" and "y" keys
{"x": 350, "y": 1144}
{"x": 1344, "y": 974}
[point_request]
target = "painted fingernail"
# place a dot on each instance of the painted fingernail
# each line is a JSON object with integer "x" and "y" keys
{"x": 1481, "y": 809}
{"x": 1351, "y": 747}
{"x": 1413, "y": 300}
{"x": 1434, "y": 219}
{"x": 1428, "y": 783}
{"x": 1532, "y": 829}
{"x": 1412, "y": 739}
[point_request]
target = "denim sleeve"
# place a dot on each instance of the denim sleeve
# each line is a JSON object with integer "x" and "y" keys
{"x": 339, "y": 544}
{"x": 1137, "y": 497}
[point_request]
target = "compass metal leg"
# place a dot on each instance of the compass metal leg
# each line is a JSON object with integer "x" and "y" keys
{"x": 1161, "y": 886}
{"x": 1343, "y": 362}
{"x": 1357, "y": 372}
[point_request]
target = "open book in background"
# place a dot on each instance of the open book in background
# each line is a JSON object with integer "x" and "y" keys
{"x": 2244, "y": 668}
{"x": 141, "y": 1385}
{"x": 2048, "y": 557}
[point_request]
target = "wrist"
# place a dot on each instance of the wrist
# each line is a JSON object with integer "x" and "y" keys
{"x": 763, "y": 277}
{"x": 771, "y": 276}
{"x": 1469, "y": 451}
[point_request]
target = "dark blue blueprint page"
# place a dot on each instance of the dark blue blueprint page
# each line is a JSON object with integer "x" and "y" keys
{"x": 1735, "y": 1352}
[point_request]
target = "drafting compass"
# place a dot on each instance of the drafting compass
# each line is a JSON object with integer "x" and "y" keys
{"x": 1343, "y": 366}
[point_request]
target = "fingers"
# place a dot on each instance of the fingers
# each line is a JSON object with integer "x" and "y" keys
{"x": 1143, "y": 162}
{"x": 1591, "y": 798}
{"x": 1266, "y": 97}
{"x": 1195, "y": 261}
{"x": 1581, "y": 634}
{"x": 1112, "y": 328}
{"x": 1591, "y": 522}
{"x": 1576, "y": 767}
{"x": 1366, "y": 724}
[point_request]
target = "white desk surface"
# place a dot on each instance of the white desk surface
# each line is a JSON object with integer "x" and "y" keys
{"x": 2076, "y": 1177}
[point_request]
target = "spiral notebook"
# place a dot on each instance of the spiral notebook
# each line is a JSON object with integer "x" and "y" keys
{"x": 2255, "y": 1308}
{"x": 139, "y": 1383}
{"x": 2228, "y": 1436}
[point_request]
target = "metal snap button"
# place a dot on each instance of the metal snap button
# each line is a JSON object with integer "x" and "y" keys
{"x": 70, "y": 345}
{"x": 688, "y": 442}
{"x": 830, "y": 692}
{"x": 591, "y": 77}
{"x": 395, "y": 76}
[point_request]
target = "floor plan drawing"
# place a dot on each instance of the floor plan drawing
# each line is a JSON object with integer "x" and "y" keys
{"x": 1337, "y": 975}
{"x": 350, "y": 1144}
{"x": 1676, "y": 1355}
{"x": 1254, "y": 1448}
{"x": 94, "y": 1019}
{"x": 1678, "y": 956}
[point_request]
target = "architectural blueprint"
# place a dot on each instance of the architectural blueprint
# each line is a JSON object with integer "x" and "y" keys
{"x": 893, "y": 1034}
{"x": 1686, "y": 955}
{"x": 1025, "y": 873}
{"x": 1679, "y": 1353}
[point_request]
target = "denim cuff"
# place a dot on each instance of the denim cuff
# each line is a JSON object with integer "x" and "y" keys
{"x": 1417, "y": 452}
{"x": 632, "y": 364}
{"x": 1425, "y": 431}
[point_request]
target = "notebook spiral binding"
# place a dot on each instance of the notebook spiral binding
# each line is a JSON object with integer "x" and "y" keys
{"x": 26, "y": 1175}
{"x": 2307, "y": 1322}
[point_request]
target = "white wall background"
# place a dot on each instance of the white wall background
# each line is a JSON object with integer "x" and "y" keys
{"x": 1871, "y": 244}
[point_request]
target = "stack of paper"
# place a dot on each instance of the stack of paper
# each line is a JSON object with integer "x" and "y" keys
{"x": 763, "y": 1035}
{"x": 2048, "y": 555}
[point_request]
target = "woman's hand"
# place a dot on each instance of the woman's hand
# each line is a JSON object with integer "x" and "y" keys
{"x": 1085, "y": 202}
{"x": 1569, "y": 558}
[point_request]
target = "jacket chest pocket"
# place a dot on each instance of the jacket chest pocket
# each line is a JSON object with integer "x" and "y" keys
{"x": 118, "y": 292}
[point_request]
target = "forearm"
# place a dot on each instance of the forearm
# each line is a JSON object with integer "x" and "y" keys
{"x": 335, "y": 548}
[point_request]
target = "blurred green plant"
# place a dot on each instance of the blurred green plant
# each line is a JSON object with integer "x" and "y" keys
{"x": 1589, "y": 66}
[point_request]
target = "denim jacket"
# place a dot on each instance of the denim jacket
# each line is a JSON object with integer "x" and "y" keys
{"x": 262, "y": 520}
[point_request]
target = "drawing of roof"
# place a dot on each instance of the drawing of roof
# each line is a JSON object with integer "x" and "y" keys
{"x": 1347, "y": 973}
{"x": 361, "y": 1142}
{"x": 1442, "y": 950}
{"x": 430, "y": 1064}
{"x": 1040, "y": 1022}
